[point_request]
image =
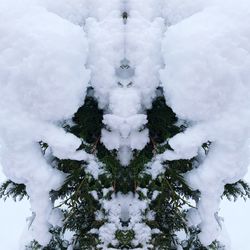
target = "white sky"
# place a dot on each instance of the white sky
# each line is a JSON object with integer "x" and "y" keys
{"x": 237, "y": 221}
{"x": 13, "y": 216}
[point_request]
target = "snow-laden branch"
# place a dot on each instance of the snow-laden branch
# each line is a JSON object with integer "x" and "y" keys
{"x": 206, "y": 82}
{"x": 197, "y": 50}
{"x": 43, "y": 81}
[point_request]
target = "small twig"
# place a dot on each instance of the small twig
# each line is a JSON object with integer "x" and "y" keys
{"x": 178, "y": 196}
{"x": 93, "y": 150}
{"x": 114, "y": 185}
{"x": 135, "y": 186}
{"x": 154, "y": 146}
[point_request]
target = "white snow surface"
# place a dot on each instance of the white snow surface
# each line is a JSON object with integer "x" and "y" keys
{"x": 75, "y": 11}
{"x": 43, "y": 82}
{"x": 197, "y": 50}
{"x": 127, "y": 209}
{"x": 207, "y": 82}
{"x": 116, "y": 87}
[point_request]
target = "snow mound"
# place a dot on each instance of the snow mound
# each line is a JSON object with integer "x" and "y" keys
{"x": 42, "y": 81}
{"x": 206, "y": 82}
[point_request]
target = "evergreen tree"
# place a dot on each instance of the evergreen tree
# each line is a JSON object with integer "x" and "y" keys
{"x": 168, "y": 195}
{"x": 126, "y": 185}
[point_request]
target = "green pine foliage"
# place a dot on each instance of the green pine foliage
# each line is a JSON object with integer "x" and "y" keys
{"x": 169, "y": 195}
{"x": 13, "y": 190}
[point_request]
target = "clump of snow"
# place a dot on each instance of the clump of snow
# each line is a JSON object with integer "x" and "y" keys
{"x": 43, "y": 81}
{"x": 129, "y": 90}
{"x": 75, "y": 11}
{"x": 101, "y": 10}
{"x": 125, "y": 212}
{"x": 125, "y": 123}
{"x": 174, "y": 11}
{"x": 206, "y": 82}
{"x": 143, "y": 51}
{"x": 148, "y": 9}
{"x": 103, "y": 62}
{"x": 111, "y": 78}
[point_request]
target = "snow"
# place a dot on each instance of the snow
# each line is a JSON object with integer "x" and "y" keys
{"x": 206, "y": 82}
{"x": 197, "y": 50}
{"x": 143, "y": 51}
{"x": 112, "y": 84}
{"x": 174, "y": 11}
{"x": 13, "y": 216}
{"x": 43, "y": 82}
{"x": 124, "y": 209}
{"x": 75, "y": 11}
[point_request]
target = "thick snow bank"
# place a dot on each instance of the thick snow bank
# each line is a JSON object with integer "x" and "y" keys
{"x": 42, "y": 81}
{"x": 207, "y": 82}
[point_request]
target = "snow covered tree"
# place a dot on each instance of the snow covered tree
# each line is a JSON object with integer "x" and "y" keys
{"x": 124, "y": 122}
{"x": 168, "y": 195}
